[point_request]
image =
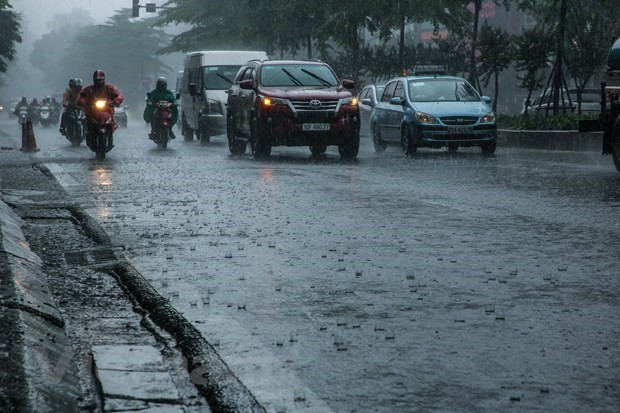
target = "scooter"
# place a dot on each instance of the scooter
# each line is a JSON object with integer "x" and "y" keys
{"x": 22, "y": 115}
{"x": 76, "y": 125}
{"x": 161, "y": 123}
{"x": 100, "y": 128}
{"x": 45, "y": 115}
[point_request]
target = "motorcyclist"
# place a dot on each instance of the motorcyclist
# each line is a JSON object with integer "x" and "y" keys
{"x": 55, "y": 107}
{"x": 21, "y": 104}
{"x": 99, "y": 90}
{"x": 160, "y": 93}
{"x": 33, "y": 110}
{"x": 69, "y": 97}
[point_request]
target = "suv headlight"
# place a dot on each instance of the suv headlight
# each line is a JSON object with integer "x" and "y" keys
{"x": 269, "y": 101}
{"x": 488, "y": 118}
{"x": 215, "y": 106}
{"x": 352, "y": 101}
{"x": 426, "y": 119}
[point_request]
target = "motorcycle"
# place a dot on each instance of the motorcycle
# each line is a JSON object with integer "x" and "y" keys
{"x": 100, "y": 128}
{"x": 22, "y": 115}
{"x": 76, "y": 125}
{"x": 33, "y": 114}
{"x": 162, "y": 120}
{"x": 45, "y": 115}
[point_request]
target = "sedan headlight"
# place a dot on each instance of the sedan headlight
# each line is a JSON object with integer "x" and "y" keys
{"x": 488, "y": 118}
{"x": 426, "y": 119}
{"x": 352, "y": 101}
{"x": 269, "y": 101}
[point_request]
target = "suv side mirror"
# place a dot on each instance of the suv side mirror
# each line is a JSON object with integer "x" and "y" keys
{"x": 348, "y": 84}
{"x": 487, "y": 99}
{"x": 247, "y": 84}
{"x": 367, "y": 102}
{"x": 192, "y": 89}
{"x": 397, "y": 100}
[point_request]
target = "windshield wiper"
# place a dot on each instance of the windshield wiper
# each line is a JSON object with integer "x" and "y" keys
{"x": 317, "y": 77}
{"x": 225, "y": 78}
{"x": 293, "y": 78}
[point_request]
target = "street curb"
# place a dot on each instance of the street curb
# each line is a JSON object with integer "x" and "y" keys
{"x": 564, "y": 140}
{"x": 209, "y": 373}
{"x": 44, "y": 369}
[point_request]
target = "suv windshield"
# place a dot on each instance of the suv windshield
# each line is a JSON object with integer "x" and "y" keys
{"x": 297, "y": 75}
{"x": 219, "y": 77}
{"x": 442, "y": 90}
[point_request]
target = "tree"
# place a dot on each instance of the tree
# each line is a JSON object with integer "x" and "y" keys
{"x": 9, "y": 34}
{"x": 124, "y": 48}
{"x": 532, "y": 50}
{"x": 497, "y": 53}
{"x": 49, "y": 50}
{"x": 590, "y": 31}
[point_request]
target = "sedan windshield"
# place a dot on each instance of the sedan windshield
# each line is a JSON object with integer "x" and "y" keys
{"x": 297, "y": 75}
{"x": 442, "y": 90}
{"x": 219, "y": 77}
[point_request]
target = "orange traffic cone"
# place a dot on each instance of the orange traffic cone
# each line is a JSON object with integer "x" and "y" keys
{"x": 29, "y": 144}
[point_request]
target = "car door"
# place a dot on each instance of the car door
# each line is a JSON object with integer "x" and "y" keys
{"x": 234, "y": 92}
{"x": 365, "y": 111}
{"x": 246, "y": 100}
{"x": 395, "y": 113}
{"x": 382, "y": 110}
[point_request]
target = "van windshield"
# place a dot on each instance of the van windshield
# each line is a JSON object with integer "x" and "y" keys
{"x": 219, "y": 77}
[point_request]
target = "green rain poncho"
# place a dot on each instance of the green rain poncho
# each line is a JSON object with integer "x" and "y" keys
{"x": 157, "y": 96}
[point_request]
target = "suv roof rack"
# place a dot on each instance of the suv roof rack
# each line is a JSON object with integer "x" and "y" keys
{"x": 435, "y": 70}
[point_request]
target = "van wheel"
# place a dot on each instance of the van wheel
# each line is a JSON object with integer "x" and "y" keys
{"x": 202, "y": 134}
{"x": 186, "y": 131}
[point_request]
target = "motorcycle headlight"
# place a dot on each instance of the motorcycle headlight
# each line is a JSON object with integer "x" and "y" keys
{"x": 488, "y": 118}
{"x": 215, "y": 106}
{"x": 352, "y": 101}
{"x": 100, "y": 104}
{"x": 426, "y": 119}
{"x": 269, "y": 101}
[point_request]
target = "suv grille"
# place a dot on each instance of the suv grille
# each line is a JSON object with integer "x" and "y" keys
{"x": 459, "y": 120}
{"x": 306, "y": 105}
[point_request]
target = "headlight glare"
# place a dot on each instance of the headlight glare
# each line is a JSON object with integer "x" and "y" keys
{"x": 488, "y": 118}
{"x": 425, "y": 118}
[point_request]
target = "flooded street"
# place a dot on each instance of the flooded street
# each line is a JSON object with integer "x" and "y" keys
{"x": 386, "y": 284}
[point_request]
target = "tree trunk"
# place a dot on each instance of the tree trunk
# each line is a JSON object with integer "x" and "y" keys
{"x": 309, "y": 45}
{"x": 496, "y": 91}
{"x": 559, "y": 59}
{"x": 579, "y": 97}
{"x": 473, "y": 75}
{"x": 401, "y": 45}
{"x": 528, "y": 101}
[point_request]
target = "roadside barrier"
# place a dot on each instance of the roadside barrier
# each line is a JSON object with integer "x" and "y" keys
{"x": 29, "y": 143}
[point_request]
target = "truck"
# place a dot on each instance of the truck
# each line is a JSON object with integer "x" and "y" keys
{"x": 609, "y": 118}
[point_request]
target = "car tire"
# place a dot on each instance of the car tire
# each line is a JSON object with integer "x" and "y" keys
{"x": 318, "y": 149}
{"x": 261, "y": 147}
{"x": 379, "y": 144}
{"x": 488, "y": 148}
{"x": 351, "y": 146}
{"x": 406, "y": 141}
{"x": 453, "y": 148}
{"x": 234, "y": 146}
{"x": 202, "y": 134}
{"x": 615, "y": 144}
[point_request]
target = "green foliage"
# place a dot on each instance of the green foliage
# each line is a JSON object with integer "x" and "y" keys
{"x": 539, "y": 122}
{"x": 497, "y": 53}
{"x": 9, "y": 34}
{"x": 124, "y": 48}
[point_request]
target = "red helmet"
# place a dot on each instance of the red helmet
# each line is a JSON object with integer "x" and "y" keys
{"x": 99, "y": 78}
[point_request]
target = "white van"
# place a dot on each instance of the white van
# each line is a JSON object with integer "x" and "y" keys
{"x": 207, "y": 76}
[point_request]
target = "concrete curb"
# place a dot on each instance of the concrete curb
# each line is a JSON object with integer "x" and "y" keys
{"x": 550, "y": 140}
{"x": 47, "y": 376}
{"x": 223, "y": 390}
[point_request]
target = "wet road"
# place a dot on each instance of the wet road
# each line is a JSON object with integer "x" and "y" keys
{"x": 440, "y": 283}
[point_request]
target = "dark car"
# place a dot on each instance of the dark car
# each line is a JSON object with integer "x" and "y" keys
{"x": 433, "y": 111}
{"x": 367, "y": 100}
{"x": 292, "y": 103}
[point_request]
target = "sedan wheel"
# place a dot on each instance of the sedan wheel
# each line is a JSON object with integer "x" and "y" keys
{"x": 406, "y": 141}
{"x": 379, "y": 144}
{"x": 488, "y": 148}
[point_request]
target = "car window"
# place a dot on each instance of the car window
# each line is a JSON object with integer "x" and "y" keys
{"x": 297, "y": 75}
{"x": 247, "y": 75}
{"x": 240, "y": 74}
{"x": 442, "y": 90}
{"x": 389, "y": 90}
{"x": 219, "y": 77}
{"x": 379, "y": 93}
{"x": 364, "y": 94}
{"x": 400, "y": 90}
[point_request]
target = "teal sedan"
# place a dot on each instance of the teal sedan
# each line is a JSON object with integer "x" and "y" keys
{"x": 433, "y": 112}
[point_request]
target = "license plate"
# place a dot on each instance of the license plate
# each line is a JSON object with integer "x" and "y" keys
{"x": 313, "y": 127}
{"x": 460, "y": 130}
